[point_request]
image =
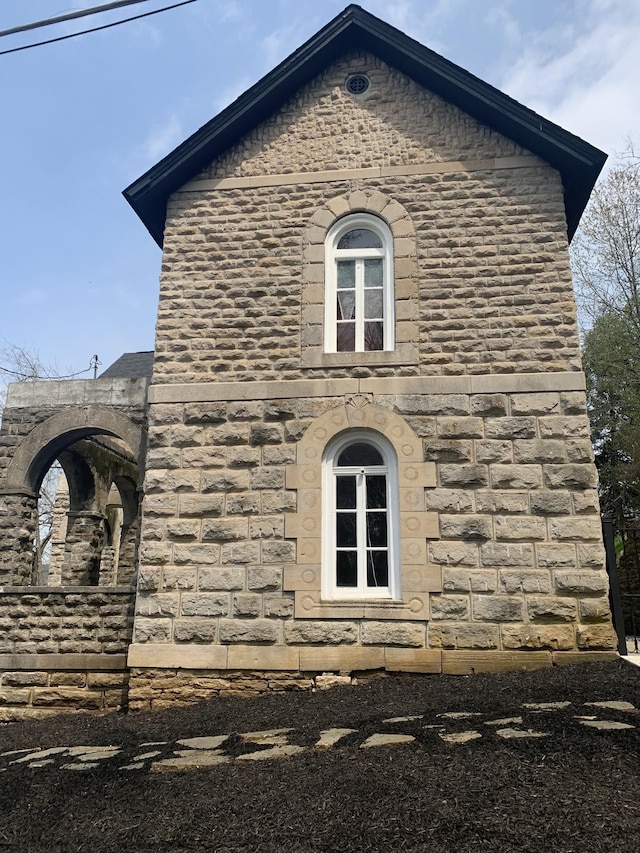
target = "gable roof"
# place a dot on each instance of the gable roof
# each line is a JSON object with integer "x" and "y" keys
{"x": 578, "y": 162}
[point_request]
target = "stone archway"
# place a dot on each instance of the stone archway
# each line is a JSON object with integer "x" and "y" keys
{"x": 69, "y": 435}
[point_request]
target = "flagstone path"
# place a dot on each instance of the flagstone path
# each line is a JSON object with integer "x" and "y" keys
{"x": 452, "y": 727}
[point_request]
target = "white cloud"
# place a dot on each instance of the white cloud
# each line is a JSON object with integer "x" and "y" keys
{"x": 584, "y": 74}
{"x": 417, "y": 19}
{"x": 226, "y": 96}
{"x": 163, "y": 139}
{"x": 229, "y": 11}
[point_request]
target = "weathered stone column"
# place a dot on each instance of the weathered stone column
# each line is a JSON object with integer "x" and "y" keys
{"x": 107, "y": 566}
{"x": 18, "y": 520}
{"x": 128, "y": 553}
{"x": 85, "y": 538}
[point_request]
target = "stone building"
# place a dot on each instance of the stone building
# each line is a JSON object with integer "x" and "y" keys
{"x": 367, "y": 447}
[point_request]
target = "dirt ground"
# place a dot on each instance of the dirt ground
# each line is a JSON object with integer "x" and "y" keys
{"x": 577, "y": 788}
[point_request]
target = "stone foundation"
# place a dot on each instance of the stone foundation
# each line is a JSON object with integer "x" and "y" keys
{"x": 54, "y": 684}
{"x": 154, "y": 689}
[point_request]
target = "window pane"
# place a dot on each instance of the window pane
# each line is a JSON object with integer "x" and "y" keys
{"x": 373, "y": 304}
{"x": 346, "y": 273}
{"x": 372, "y": 336}
{"x": 376, "y": 492}
{"x": 346, "y": 493}
{"x": 362, "y": 454}
{"x": 346, "y": 568}
{"x": 373, "y": 272}
{"x": 376, "y": 529}
{"x": 346, "y": 337}
{"x": 360, "y": 238}
{"x": 346, "y": 530}
{"x": 346, "y": 304}
{"x": 377, "y": 568}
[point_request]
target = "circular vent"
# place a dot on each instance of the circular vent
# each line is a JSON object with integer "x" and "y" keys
{"x": 357, "y": 84}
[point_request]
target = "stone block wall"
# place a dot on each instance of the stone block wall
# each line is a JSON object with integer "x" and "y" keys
{"x": 513, "y": 563}
{"x": 483, "y": 242}
{"x": 63, "y": 649}
{"x": 502, "y": 562}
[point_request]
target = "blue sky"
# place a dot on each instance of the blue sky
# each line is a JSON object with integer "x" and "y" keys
{"x": 83, "y": 118}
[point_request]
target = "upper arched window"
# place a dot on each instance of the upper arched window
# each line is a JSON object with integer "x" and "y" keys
{"x": 359, "y": 285}
{"x": 360, "y": 558}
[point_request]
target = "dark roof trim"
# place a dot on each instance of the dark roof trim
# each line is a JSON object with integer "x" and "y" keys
{"x": 578, "y": 162}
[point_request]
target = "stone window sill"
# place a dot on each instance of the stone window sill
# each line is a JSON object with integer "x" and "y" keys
{"x": 403, "y": 354}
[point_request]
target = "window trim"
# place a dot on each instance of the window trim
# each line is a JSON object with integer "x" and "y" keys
{"x": 332, "y": 255}
{"x": 330, "y": 591}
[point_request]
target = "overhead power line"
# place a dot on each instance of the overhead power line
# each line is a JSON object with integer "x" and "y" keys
{"x": 69, "y": 16}
{"x": 37, "y": 376}
{"x": 96, "y": 29}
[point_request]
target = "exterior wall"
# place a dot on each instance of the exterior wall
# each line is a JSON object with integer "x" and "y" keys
{"x": 502, "y": 558}
{"x": 242, "y": 263}
{"x": 63, "y": 649}
{"x": 514, "y": 561}
{"x": 395, "y": 123}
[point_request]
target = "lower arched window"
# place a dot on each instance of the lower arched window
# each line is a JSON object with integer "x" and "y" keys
{"x": 360, "y": 536}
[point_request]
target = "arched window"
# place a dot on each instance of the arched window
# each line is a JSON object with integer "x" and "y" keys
{"x": 359, "y": 285}
{"x": 360, "y": 525}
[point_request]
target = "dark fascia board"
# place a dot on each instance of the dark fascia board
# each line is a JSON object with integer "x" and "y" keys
{"x": 578, "y": 162}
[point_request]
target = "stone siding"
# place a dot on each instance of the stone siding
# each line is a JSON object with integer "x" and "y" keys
{"x": 486, "y": 248}
{"x": 394, "y": 123}
{"x": 63, "y": 649}
{"x": 46, "y": 620}
{"x": 515, "y": 563}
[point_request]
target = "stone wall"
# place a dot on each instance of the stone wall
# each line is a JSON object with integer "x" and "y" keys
{"x": 486, "y": 249}
{"x": 483, "y": 400}
{"x": 514, "y": 563}
{"x": 63, "y": 649}
{"x": 394, "y": 123}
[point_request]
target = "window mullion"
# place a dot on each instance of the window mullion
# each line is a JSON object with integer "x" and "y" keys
{"x": 361, "y": 529}
{"x": 359, "y": 305}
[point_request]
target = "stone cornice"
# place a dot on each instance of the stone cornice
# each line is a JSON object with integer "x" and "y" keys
{"x": 522, "y": 383}
{"x": 331, "y": 175}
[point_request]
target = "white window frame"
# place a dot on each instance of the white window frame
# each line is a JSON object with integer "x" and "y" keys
{"x": 333, "y": 254}
{"x": 330, "y": 590}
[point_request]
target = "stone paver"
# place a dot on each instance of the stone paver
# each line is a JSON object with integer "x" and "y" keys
{"x": 614, "y": 706}
{"x": 381, "y": 739}
{"x": 204, "y": 742}
{"x": 511, "y": 734}
{"x": 404, "y": 719}
{"x": 208, "y": 750}
{"x": 505, "y": 721}
{"x": 606, "y": 725}
{"x": 329, "y": 737}
{"x": 460, "y": 737}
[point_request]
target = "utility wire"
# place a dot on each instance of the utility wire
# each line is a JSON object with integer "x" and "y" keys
{"x": 96, "y": 29}
{"x": 32, "y": 376}
{"x": 69, "y": 16}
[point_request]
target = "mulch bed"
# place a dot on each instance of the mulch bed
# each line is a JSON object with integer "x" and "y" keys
{"x": 576, "y": 790}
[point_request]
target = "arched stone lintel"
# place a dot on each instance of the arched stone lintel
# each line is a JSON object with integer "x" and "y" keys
{"x": 42, "y": 445}
{"x": 356, "y": 413}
